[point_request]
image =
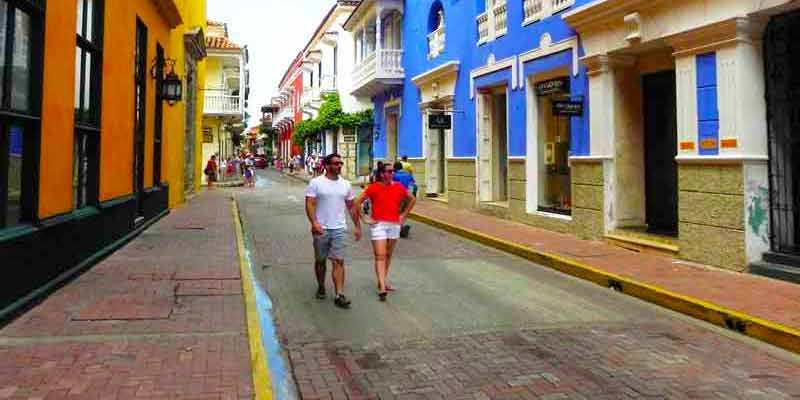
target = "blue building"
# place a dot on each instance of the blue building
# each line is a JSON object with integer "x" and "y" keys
{"x": 508, "y": 75}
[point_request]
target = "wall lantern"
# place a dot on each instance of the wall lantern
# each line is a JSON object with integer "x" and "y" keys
{"x": 171, "y": 83}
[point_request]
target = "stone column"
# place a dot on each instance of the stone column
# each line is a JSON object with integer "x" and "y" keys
{"x": 615, "y": 125}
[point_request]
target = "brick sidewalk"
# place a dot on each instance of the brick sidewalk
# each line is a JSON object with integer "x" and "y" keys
{"x": 760, "y": 297}
{"x": 162, "y": 318}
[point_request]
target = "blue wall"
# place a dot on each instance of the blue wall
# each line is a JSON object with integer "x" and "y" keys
{"x": 461, "y": 45}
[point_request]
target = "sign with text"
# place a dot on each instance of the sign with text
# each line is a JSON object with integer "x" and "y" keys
{"x": 552, "y": 86}
{"x": 440, "y": 121}
{"x": 568, "y": 108}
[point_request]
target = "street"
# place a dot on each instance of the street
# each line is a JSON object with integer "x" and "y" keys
{"x": 470, "y": 322}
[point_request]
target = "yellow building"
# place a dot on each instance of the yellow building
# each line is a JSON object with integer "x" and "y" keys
{"x": 90, "y": 151}
{"x": 226, "y": 92}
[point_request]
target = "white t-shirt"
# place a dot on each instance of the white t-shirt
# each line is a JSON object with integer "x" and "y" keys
{"x": 331, "y": 196}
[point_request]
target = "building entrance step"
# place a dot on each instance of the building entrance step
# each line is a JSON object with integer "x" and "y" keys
{"x": 643, "y": 242}
{"x": 785, "y": 267}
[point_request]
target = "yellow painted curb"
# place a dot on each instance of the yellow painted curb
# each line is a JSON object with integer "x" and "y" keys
{"x": 262, "y": 381}
{"x": 766, "y": 331}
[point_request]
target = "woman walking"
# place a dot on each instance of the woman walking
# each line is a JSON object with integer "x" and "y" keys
{"x": 211, "y": 171}
{"x": 385, "y": 197}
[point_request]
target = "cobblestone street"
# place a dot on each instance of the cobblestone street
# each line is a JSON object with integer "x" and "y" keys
{"x": 469, "y": 322}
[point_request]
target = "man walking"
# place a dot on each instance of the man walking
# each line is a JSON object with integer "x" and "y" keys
{"x": 328, "y": 198}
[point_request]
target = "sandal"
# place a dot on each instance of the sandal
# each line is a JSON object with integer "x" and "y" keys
{"x": 382, "y": 296}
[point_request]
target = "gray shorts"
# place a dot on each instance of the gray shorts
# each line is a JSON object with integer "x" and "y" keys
{"x": 329, "y": 245}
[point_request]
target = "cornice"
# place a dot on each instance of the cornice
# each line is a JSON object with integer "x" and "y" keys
{"x": 705, "y": 38}
{"x": 170, "y": 11}
{"x": 195, "y": 42}
{"x": 448, "y": 68}
{"x": 600, "y": 11}
{"x": 602, "y": 63}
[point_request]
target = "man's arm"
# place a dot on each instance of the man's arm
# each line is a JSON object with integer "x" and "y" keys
{"x": 354, "y": 207}
{"x": 311, "y": 214}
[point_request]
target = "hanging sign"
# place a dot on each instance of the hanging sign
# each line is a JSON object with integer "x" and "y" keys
{"x": 440, "y": 121}
{"x": 568, "y": 108}
{"x": 558, "y": 85}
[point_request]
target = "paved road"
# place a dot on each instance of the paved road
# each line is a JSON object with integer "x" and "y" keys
{"x": 469, "y": 322}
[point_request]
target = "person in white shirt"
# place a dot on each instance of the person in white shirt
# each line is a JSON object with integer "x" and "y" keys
{"x": 329, "y": 198}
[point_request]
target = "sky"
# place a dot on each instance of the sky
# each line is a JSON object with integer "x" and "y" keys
{"x": 274, "y": 32}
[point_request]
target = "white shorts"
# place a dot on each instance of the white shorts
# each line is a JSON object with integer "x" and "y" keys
{"x": 385, "y": 230}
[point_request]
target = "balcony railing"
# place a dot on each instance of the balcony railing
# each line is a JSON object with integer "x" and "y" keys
{"x": 483, "y": 27}
{"x": 436, "y": 42}
{"x": 328, "y": 83}
{"x": 218, "y": 103}
{"x": 533, "y": 9}
{"x": 380, "y": 64}
{"x": 559, "y": 5}
{"x": 500, "y": 19}
{"x": 308, "y": 95}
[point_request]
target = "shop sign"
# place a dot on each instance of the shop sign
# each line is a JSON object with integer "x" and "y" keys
{"x": 559, "y": 85}
{"x": 349, "y": 138}
{"x": 568, "y": 108}
{"x": 440, "y": 121}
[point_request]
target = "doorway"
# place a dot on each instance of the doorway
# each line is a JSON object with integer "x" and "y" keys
{"x": 436, "y": 166}
{"x": 660, "y": 149}
{"x": 391, "y": 137}
{"x": 554, "y": 186}
{"x": 782, "y": 56}
{"x": 493, "y": 142}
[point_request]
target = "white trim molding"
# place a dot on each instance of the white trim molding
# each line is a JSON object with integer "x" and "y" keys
{"x": 547, "y": 48}
{"x": 510, "y": 62}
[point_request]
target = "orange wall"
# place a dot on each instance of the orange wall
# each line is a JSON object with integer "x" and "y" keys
{"x": 58, "y": 92}
{"x": 116, "y": 161}
{"x": 58, "y": 118}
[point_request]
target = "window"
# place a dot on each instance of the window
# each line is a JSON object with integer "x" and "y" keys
{"x": 21, "y": 38}
{"x": 88, "y": 73}
{"x": 555, "y": 191}
{"x": 159, "y": 115}
{"x": 139, "y": 93}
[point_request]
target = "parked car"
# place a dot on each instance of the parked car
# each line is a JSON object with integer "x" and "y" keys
{"x": 260, "y": 162}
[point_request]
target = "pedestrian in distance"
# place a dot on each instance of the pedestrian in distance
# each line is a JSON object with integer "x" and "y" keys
{"x": 407, "y": 180}
{"x": 329, "y": 198}
{"x": 230, "y": 168}
{"x": 211, "y": 171}
{"x": 248, "y": 173}
{"x": 407, "y": 165}
{"x": 385, "y": 197}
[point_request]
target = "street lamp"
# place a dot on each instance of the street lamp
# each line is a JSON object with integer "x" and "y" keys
{"x": 171, "y": 83}
{"x": 172, "y": 86}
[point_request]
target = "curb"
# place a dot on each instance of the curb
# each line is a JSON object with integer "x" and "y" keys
{"x": 754, "y": 327}
{"x": 262, "y": 382}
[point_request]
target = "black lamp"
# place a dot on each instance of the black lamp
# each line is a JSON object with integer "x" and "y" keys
{"x": 171, "y": 83}
{"x": 172, "y": 86}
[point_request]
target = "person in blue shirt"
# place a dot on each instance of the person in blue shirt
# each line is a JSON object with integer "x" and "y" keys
{"x": 407, "y": 180}
{"x": 403, "y": 177}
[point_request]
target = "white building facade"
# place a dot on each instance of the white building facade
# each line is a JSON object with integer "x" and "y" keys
{"x": 691, "y": 114}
